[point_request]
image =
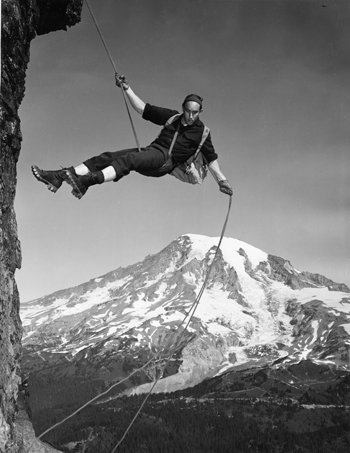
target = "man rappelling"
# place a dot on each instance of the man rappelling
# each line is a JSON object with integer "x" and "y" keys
{"x": 183, "y": 137}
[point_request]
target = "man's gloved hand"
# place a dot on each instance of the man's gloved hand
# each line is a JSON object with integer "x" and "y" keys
{"x": 225, "y": 187}
{"x": 121, "y": 81}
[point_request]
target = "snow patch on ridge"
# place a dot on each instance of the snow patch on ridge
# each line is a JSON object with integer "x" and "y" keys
{"x": 336, "y": 300}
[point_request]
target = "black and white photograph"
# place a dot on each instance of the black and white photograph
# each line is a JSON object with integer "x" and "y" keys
{"x": 175, "y": 226}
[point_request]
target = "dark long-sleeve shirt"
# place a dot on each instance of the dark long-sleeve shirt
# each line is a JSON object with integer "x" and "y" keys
{"x": 188, "y": 138}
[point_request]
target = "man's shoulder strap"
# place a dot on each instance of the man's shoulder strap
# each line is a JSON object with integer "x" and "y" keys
{"x": 172, "y": 119}
{"x": 205, "y": 134}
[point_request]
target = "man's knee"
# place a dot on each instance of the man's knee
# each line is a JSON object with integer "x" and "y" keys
{"x": 123, "y": 165}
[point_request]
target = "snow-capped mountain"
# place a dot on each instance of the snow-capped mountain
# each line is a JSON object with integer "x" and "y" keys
{"x": 256, "y": 309}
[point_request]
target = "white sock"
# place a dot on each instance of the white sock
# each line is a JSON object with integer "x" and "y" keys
{"x": 109, "y": 173}
{"x": 81, "y": 170}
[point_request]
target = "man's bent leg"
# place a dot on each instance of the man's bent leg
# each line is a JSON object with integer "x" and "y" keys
{"x": 149, "y": 160}
{"x": 97, "y": 171}
{"x": 53, "y": 179}
{"x": 106, "y": 159}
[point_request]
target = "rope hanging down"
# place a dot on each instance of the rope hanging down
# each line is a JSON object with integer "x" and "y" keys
{"x": 192, "y": 309}
{"x": 115, "y": 71}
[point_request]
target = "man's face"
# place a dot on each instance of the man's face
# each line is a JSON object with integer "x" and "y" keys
{"x": 191, "y": 112}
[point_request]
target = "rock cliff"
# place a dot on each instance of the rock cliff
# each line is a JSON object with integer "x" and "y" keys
{"x": 22, "y": 20}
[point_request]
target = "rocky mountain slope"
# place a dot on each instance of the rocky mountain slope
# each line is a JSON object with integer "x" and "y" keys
{"x": 257, "y": 309}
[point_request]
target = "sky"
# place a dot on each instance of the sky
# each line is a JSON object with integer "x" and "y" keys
{"x": 274, "y": 75}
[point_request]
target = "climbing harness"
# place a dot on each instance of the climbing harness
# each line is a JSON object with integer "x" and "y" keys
{"x": 116, "y": 73}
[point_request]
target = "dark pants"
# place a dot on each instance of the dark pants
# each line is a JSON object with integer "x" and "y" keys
{"x": 148, "y": 162}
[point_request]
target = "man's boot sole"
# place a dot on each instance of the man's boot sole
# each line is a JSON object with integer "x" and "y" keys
{"x": 76, "y": 190}
{"x": 51, "y": 187}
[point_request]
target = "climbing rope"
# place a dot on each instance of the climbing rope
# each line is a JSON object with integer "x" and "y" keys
{"x": 91, "y": 401}
{"x": 115, "y": 71}
{"x": 189, "y": 314}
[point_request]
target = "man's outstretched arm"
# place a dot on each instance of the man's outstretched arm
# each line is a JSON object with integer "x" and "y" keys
{"x": 135, "y": 101}
{"x": 220, "y": 178}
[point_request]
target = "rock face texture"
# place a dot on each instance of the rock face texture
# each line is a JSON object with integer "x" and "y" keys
{"x": 22, "y": 20}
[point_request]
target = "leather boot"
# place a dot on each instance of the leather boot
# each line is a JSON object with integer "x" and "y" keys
{"x": 52, "y": 179}
{"x": 81, "y": 184}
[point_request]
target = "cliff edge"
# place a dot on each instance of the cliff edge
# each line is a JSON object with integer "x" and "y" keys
{"x": 22, "y": 20}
